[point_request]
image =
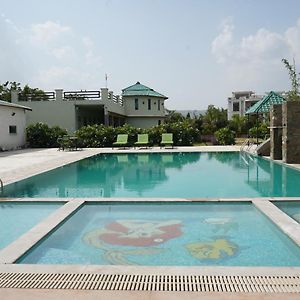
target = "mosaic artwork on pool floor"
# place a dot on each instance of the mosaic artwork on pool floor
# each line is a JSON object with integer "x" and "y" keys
{"x": 145, "y": 235}
{"x": 166, "y": 234}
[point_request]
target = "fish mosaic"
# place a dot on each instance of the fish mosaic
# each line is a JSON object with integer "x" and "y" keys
{"x": 141, "y": 234}
{"x": 217, "y": 249}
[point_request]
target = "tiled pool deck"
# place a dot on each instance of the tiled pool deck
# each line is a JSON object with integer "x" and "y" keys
{"x": 18, "y": 165}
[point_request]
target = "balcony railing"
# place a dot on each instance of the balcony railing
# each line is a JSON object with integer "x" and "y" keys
{"x": 45, "y": 96}
{"x": 82, "y": 95}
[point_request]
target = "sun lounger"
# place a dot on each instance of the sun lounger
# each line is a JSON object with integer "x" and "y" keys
{"x": 143, "y": 140}
{"x": 122, "y": 140}
{"x": 166, "y": 140}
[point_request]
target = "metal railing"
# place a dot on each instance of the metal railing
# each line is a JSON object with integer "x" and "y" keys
{"x": 247, "y": 145}
{"x": 118, "y": 99}
{"x": 45, "y": 96}
{"x": 82, "y": 95}
{"x": 1, "y": 187}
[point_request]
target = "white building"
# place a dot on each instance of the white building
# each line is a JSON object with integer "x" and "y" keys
{"x": 138, "y": 105}
{"x": 240, "y": 102}
{"x": 12, "y": 125}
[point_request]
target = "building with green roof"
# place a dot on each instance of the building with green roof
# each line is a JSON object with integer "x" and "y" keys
{"x": 264, "y": 105}
{"x": 144, "y": 107}
{"x": 138, "y": 105}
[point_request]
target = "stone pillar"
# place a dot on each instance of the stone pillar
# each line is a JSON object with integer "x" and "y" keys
{"x": 14, "y": 96}
{"x": 291, "y": 132}
{"x": 106, "y": 116}
{"x": 104, "y": 94}
{"x": 276, "y": 131}
{"x": 59, "y": 95}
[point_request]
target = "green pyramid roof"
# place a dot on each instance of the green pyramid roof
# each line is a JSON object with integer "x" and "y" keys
{"x": 139, "y": 89}
{"x": 264, "y": 105}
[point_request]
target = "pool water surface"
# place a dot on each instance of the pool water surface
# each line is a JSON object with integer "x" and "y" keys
{"x": 17, "y": 218}
{"x": 166, "y": 175}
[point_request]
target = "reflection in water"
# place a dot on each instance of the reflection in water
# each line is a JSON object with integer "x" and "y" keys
{"x": 164, "y": 175}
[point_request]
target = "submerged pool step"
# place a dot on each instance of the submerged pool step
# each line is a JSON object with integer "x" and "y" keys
{"x": 191, "y": 283}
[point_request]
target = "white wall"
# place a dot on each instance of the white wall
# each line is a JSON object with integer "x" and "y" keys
{"x": 129, "y": 103}
{"x": 14, "y": 117}
{"x": 142, "y": 122}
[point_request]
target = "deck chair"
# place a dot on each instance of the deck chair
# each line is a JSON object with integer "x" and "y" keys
{"x": 166, "y": 140}
{"x": 122, "y": 140}
{"x": 143, "y": 140}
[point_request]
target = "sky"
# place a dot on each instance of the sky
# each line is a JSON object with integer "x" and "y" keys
{"x": 196, "y": 52}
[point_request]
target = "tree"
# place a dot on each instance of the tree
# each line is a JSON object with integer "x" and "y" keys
{"x": 173, "y": 117}
{"x": 293, "y": 94}
{"x": 24, "y": 93}
{"x": 6, "y": 88}
{"x": 214, "y": 119}
{"x": 238, "y": 124}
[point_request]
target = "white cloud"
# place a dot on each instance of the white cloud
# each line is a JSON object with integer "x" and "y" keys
{"x": 91, "y": 58}
{"x": 48, "y": 55}
{"x": 63, "y": 52}
{"x": 222, "y": 46}
{"x": 47, "y": 32}
{"x": 254, "y": 61}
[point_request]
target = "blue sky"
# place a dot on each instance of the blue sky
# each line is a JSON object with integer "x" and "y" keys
{"x": 195, "y": 52}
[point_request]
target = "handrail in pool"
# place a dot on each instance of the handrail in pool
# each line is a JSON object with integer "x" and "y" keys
{"x": 1, "y": 186}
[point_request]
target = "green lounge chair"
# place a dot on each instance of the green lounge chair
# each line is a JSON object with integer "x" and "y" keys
{"x": 143, "y": 140}
{"x": 166, "y": 140}
{"x": 122, "y": 140}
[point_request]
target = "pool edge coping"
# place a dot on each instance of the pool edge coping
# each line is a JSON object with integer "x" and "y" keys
{"x": 16, "y": 249}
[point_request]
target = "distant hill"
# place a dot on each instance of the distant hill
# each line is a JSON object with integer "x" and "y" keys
{"x": 192, "y": 112}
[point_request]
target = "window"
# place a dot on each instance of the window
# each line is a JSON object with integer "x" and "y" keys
{"x": 159, "y": 122}
{"x": 136, "y": 104}
{"x": 236, "y": 106}
{"x": 158, "y": 104}
{"x": 12, "y": 129}
{"x": 149, "y": 104}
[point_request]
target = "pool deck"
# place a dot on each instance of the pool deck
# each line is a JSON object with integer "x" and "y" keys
{"x": 18, "y": 165}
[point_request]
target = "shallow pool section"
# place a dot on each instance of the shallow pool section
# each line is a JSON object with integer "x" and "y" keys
{"x": 168, "y": 175}
{"x": 160, "y": 234}
{"x": 291, "y": 208}
{"x": 17, "y": 218}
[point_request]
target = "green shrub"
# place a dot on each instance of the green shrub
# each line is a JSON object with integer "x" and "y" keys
{"x": 102, "y": 136}
{"x": 95, "y": 136}
{"x": 225, "y": 136}
{"x": 262, "y": 131}
{"x": 40, "y": 135}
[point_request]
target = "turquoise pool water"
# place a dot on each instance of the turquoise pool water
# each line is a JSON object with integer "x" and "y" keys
{"x": 182, "y": 234}
{"x": 18, "y": 218}
{"x": 291, "y": 208}
{"x": 163, "y": 175}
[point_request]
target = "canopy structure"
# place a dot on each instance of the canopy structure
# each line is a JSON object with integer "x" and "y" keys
{"x": 264, "y": 105}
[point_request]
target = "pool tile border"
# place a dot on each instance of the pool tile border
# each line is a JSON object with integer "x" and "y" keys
{"x": 20, "y": 246}
{"x": 288, "y": 225}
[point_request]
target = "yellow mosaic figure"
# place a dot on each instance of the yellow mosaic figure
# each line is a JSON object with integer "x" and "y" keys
{"x": 212, "y": 250}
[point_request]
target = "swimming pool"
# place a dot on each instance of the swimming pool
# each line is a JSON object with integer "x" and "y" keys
{"x": 165, "y": 175}
{"x": 17, "y": 218}
{"x": 166, "y": 234}
{"x": 291, "y": 208}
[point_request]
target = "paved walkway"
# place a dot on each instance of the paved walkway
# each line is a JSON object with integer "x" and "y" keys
{"x": 36, "y": 294}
